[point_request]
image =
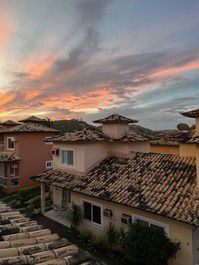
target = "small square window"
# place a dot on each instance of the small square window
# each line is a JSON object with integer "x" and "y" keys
{"x": 67, "y": 157}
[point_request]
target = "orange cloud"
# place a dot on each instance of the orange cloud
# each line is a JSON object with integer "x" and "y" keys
{"x": 7, "y": 98}
{"x": 32, "y": 94}
{"x": 37, "y": 67}
{"x": 176, "y": 70}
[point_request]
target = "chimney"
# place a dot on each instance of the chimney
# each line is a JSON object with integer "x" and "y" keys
{"x": 115, "y": 125}
{"x": 195, "y": 114}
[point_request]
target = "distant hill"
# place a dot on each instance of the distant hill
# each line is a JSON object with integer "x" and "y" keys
{"x": 71, "y": 125}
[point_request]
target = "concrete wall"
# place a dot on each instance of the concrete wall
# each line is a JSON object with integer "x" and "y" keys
{"x": 165, "y": 149}
{"x": 177, "y": 231}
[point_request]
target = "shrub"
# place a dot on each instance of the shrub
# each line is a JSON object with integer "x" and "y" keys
{"x": 74, "y": 216}
{"x": 85, "y": 238}
{"x": 28, "y": 193}
{"x": 97, "y": 244}
{"x": 36, "y": 204}
{"x": 145, "y": 246}
{"x": 112, "y": 236}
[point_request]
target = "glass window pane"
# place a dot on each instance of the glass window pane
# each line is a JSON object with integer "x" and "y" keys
{"x": 142, "y": 223}
{"x": 66, "y": 195}
{"x": 157, "y": 228}
{"x": 96, "y": 214}
{"x": 2, "y": 170}
{"x": 64, "y": 157}
{"x": 87, "y": 211}
{"x": 70, "y": 158}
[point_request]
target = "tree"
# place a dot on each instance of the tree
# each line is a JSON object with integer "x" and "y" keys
{"x": 75, "y": 216}
{"x": 183, "y": 127}
{"x": 146, "y": 246}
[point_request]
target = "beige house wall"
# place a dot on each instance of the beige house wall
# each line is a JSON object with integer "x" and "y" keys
{"x": 187, "y": 150}
{"x": 177, "y": 231}
{"x": 115, "y": 130}
{"x": 165, "y": 149}
{"x": 86, "y": 155}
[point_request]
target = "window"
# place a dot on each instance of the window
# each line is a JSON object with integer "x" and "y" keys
{"x": 14, "y": 181}
{"x": 3, "y": 181}
{"x": 67, "y": 157}
{"x": 155, "y": 225}
{"x": 10, "y": 143}
{"x": 66, "y": 196}
{"x": 92, "y": 213}
{"x": 12, "y": 170}
{"x": 49, "y": 164}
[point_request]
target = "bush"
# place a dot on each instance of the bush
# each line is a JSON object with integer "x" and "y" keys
{"x": 85, "y": 238}
{"x": 145, "y": 246}
{"x": 112, "y": 236}
{"x": 36, "y": 204}
{"x": 97, "y": 244}
{"x": 28, "y": 193}
{"x": 183, "y": 127}
{"x": 75, "y": 216}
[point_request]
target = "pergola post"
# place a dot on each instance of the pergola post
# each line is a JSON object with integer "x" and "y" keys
{"x": 42, "y": 198}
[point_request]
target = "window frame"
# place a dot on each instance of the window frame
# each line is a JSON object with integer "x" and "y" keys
{"x": 49, "y": 161}
{"x": 14, "y": 185}
{"x": 11, "y": 166}
{"x": 152, "y": 222}
{"x": 13, "y": 139}
{"x": 64, "y": 164}
{"x": 6, "y": 180}
{"x": 69, "y": 196}
{"x": 101, "y": 212}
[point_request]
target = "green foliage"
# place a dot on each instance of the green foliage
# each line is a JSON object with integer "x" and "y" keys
{"x": 98, "y": 244}
{"x": 144, "y": 246}
{"x": 112, "y": 236}
{"x": 183, "y": 127}
{"x": 85, "y": 238}
{"x": 36, "y": 204}
{"x": 28, "y": 193}
{"x": 75, "y": 216}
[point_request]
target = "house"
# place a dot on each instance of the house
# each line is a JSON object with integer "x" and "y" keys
{"x": 114, "y": 178}
{"x": 167, "y": 143}
{"x": 23, "y": 152}
{"x": 24, "y": 241}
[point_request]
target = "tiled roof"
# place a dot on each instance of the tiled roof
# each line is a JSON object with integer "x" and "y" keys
{"x": 23, "y": 241}
{"x": 86, "y": 135}
{"x": 162, "y": 184}
{"x": 115, "y": 118}
{"x": 173, "y": 138}
{"x": 191, "y": 113}
{"x": 32, "y": 119}
{"x": 93, "y": 135}
{"x": 7, "y": 156}
{"x": 9, "y": 122}
{"x": 29, "y": 127}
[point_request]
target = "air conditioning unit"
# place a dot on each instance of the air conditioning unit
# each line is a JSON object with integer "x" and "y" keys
{"x": 55, "y": 152}
{"x": 108, "y": 213}
{"x": 126, "y": 219}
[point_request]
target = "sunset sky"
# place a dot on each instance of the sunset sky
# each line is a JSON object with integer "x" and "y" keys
{"x": 90, "y": 58}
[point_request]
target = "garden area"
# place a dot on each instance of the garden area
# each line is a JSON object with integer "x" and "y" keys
{"x": 27, "y": 200}
{"x": 136, "y": 245}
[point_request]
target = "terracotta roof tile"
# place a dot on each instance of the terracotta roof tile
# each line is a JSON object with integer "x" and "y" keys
{"x": 191, "y": 114}
{"x": 115, "y": 118}
{"x": 29, "y": 127}
{"x": 162, "y": 184}
{"x": 173, "y": 138}
{"x": 25, "y": 242}
{"x": 93, "y": 135}
{"x": 8, "y": 156}
{"x": 9, "y": 122}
